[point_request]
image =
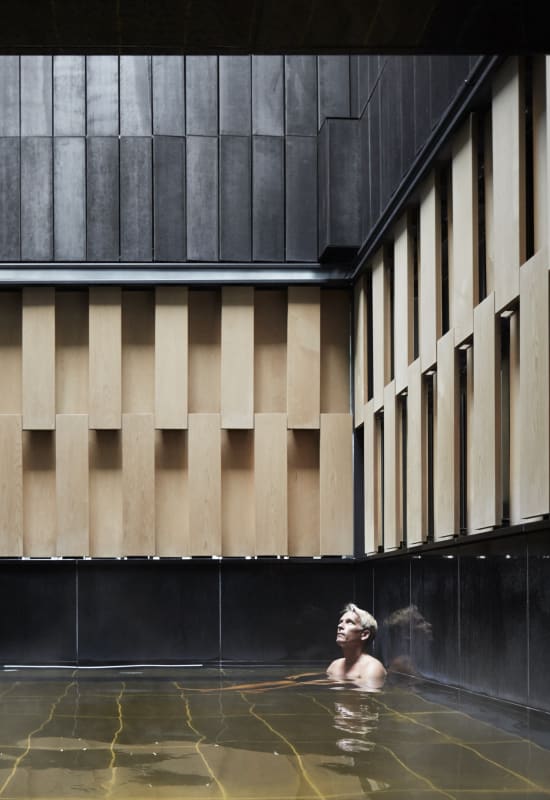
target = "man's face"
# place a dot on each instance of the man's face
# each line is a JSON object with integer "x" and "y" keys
{"x": 349, "y": 629}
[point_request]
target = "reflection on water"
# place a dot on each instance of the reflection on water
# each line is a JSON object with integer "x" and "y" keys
{"x": 258, "y": 734}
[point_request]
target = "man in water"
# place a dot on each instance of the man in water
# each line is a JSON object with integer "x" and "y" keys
{"x": 355, "y": 628}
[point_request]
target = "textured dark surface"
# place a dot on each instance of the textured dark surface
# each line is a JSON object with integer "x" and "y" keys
{"x": 267, "y": 96}
{"x": 235, "y": 93}
{"x": 136, "y": 217}
{"x": 169, "y": 197}
{"x": 235, "y": 214}
{"x": 168, "y": 95}
{"x": 69, "y": 213}
{"x": 201, "y": 96}
{"x": 539, "y": 618}
{"x": 301, "y": 200}
{"x": 268, "y": 240}
{"x": 69, "y": 108}
{"x": 36, "y": 199}
{"x": 301, "y": 95}
{"x": 202, "y": 198}
{"x": 102, "y": 199}
{"x": 10, "y": 177}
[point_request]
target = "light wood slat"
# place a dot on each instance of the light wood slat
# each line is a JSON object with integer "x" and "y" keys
{"x": 39, "y": 514}
{"x": 379, "y": 344}
{"x": 534, "y": 374}
{"x": 508, "y": 181}
{"x": 237, "y": 357}
{"x": 304, "y": 357}
{"x": 72, "y": 485}
{"x": 171, "y": 357}
{"x": 171, "y": 493}
{"x": 11, "y": 485}
{"x": 105, "y": 342}
{"x": 10, "y": 352}
{"x": 303, "y": 493}
{"x": 485, "y": 439}
{"x": 270, "y": 327}
{"x": 403, "y": 266}
{"x": 204, "y": 351}
{"x": 417, "y": 507}
{"x": 205, "y": 523}
{"x": 138, "y": 484}
{"x": 515, "y": 421}
{"x": 38, "y": 352}
{"x": 470, "y": 409}
{"x": 489, "y": 205}
{"x": 106, "y": 530}
{"x": 138, "y": 352}
{"x": 336, "y": 484}
{"x": 392, "y": 475}
{"x": 447, "y": 464}
{"x": 429, "y": 311}
{"x": 359, "y": 349}
{"x": 335, "y": 351}
{"x": 271, "y": 484}
{"x": 238, "y": 534}
{"x": 373, "y": 530}
{"x": 71, "y": 352}
{"x": 464, "y": 241}
{"x": 540, "y": 151}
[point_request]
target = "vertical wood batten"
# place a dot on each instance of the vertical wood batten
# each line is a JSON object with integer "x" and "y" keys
{"x": 417, "y": 510}
{"x": 138, "y": 352}
{"x": 359, "y": 350}
{"x": 204, "y": 351}
{"x": 403, "y": 287}
{"x": 373, "y": 534}
{"x": 336, "y": 484}
{"x": 237, "y": 503}
{"x": 11, "y": 485}
{"x": 171, "y": 356}
{"x": 205, "y": 521}
{"x": 38, "y": 351}
{"x": 271, "y": 484}
{"x": 335, "y": 351}
{"x": 171, "y": 493}
{"x": 430, "y": 273}
{"x": 138, "y": 484}
{"x": 392, "y": 515}
{"x": 72, "y": 485}
{"x": 237, "y": 357}
{"x": 39, "y": 507}
{"x": 534, "y": 379}
{"x": 71, "y": 352}
{"x": 540, "y": 151}
{"x": 304, "y": 357}
{"x": 378, "y": 332}
{"x": 106, "y": 528}
{"x": 446, "y": 472}
{"x": 105, "y": 343}
{"x": 270, "y": 331}
{"x": 10, "y": 352}
{"x": 303, "y": 493}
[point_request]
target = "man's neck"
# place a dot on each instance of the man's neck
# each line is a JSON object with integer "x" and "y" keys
{"x": 352, "y": 656}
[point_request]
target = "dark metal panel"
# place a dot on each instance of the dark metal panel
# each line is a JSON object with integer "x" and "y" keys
{"x": 354, "y": 85}
{"x": 36, "y": 199}
{"x": 102, "y": 95}
{"x": 135, "y": 96}
{"x": 169, "y": 197}
{"x": 69, "y": 187}
{"x": 69, "y": 96}
{"x": 334, "y": 87}
{"x": 235, "y": 95}
{"x": 422, "y": 109}
{"x": 9, "y": 95}
{"x": 10, "y": 187}
{"x": 268, "y": 240}
{"x": 235, "y": 200}
{"x": 202, "y": 198}
{"x": 390, "y": 128}
{"x": 374, "y": 153}
{"x": 169, "y": 95}
{"x": 201, "y": 95}
{"x": 344, "y": 183}
{"x": 374, "y": 66}
{"x": 267, "y": 95}
{"x": 363, "y": 82}
{"x": 301, "y": 198}
{"x": 102, "y": 212}
{"x": 366, "y": 212}
{"x": 440, "y": 89}
{"x": 136, "y": 212}
{"x": 36, "y": 95}
{"x": 324, "y": 188}
{"x": 407, "y": 109}
{"x": 301, "y": 95}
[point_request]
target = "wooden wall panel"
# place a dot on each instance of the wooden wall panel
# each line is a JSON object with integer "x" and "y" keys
{"x": 508, "y": 181}
{"x": 204, "y": 351}
{"x": 39, "y": 513}
{"x": 335, "y": 351}
{"x": 378, "y": 332}
{"x": 72, "y": 482}
{"x": 105, "y": 359}
{"x": 417, "y": 509}
{"x": 38, "y": 353}
{"x": 138, "y": 352}
{"x": 171, "y": 357}
{"x": 270, "y": 325}
{"x": 106, "y": 531}
{"x": 446, "y": 468}
{"x": 171, "y": 493}
{"x": 392, "y": 475}
{"x": 11, "y": 485}
{"x": 138, "y": 484}
{"x": 303, "y": 357}
{"x": 485, "y": 439}
{"x": 359, "y": 349}
{"x": 403, "y": 309}
{"x": 205, "y": 524}
{"x": 10, "y": 352}
{"x": 303, "y": 493}
{"x": 237, "y": 454}
{"x": 534, "y": 387}
{"x": 515, "y": 421}
{"x": 237, "y": 357}
{"x": 470, "y": 410}
{"x": 373, "y": 530}
{"x": 429, "y": 311}
{"x": 464, "y": 242}
{"x": 489, "y": 204}
{"x": 336, "y": 484}
{"x": 271, "y": 484}
{"x": 71, "y": 352}
{"x": 540, "y": 152}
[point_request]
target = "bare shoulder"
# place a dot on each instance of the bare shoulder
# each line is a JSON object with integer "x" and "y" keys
{"x": 373, "y": 672}
{"x": 336, "y": 668}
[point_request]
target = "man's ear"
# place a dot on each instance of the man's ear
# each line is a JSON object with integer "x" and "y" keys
{"x": 365, "y": 634}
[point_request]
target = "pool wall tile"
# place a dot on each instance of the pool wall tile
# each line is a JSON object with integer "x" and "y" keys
{"x": 539, "y": 618}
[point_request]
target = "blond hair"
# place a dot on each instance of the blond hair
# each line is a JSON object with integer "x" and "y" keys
{"x": 366, "y": 620}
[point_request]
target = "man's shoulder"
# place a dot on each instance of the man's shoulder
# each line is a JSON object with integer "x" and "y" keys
{"x": 372, "y": 667}
{"x": 336, "y": 666}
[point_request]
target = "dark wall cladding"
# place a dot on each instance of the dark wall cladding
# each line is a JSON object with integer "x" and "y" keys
{"x": 207, "y": 158}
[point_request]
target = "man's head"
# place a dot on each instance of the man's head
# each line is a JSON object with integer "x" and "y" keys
{"x": 355, "y": 625}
